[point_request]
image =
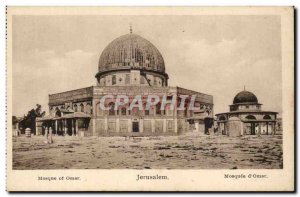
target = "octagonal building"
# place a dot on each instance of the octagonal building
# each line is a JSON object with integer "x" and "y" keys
{"x": 130, "y": 65}
{"x": 246, "y": 117}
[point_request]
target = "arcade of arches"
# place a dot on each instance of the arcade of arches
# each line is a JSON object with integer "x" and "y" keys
{"x": 247, "y": 111}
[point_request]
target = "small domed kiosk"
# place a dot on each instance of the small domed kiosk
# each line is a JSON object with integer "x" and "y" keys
{"x": 254, "y": 121}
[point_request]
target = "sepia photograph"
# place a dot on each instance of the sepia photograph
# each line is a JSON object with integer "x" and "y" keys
{"x": 150, "y": 90}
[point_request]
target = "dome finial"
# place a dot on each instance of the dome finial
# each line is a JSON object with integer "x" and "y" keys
{"x": 130, "y": 28}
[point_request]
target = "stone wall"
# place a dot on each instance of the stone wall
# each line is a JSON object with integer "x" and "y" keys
{"x": 132, "y": 78}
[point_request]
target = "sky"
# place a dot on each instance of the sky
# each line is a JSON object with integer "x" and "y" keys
{"x": 216, "y": 55}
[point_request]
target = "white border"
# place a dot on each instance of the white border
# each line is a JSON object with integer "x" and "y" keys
{"x": 89, "y": 2}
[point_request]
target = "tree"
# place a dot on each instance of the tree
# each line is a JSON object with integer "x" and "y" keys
{"x": 30, "y": 119}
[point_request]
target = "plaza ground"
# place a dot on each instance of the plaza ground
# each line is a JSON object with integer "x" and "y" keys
{"x": 189, "y": 151}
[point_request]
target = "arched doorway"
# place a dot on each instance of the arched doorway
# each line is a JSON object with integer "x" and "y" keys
{"x": 221, "y": 125}
{"x": 58, "y": 124}
{"x": 251, "y": 119}
{"x": 267, "y": 117}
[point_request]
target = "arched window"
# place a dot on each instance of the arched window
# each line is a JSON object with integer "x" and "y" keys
{"x": 123, "y": 111}
{"x": 111, "y": 109}
{"x": 158, "y": 111}
{"x": 81, "y": 107}
{"x": 250, "y": 117}
{"x": 57, "y": 112}
{"x": 267, "y": 117}
{"x": 75, "y": 108}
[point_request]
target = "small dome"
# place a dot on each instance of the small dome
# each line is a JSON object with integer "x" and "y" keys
{"x": 245, "y": 97}
{"x": 131, "y": 51}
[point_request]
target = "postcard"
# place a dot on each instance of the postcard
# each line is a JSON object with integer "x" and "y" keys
{"x": 150, "y": 99}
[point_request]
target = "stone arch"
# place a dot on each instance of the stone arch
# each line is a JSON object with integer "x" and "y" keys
{"x": 222, "y": 118}
{"x": 267, "y": 117}
{"x": 57, "y": 112}
{"x": 53, "y": 110}
{"x": 75, "y": 107}
{"x": 250, "y": 117}
{"x": 81, "y": 107}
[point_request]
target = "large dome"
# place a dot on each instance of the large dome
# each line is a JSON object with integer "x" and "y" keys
{"x": 131, "y": 51}
{"x": 245, "y": 97}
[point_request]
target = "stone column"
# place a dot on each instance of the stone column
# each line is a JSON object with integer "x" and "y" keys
{"x": 129, "y": 126}
{"x": 141, "y": 125}
{"x": 72, "y": 123}
{"x": 56, "y": 127}
{"x": 252, "y": 128}
{"x": 76, "y": 127}
{"x": 65, "y": 127}
{"x": 50, "y": 135}
{"x": 197, "y": 125}
{"x": 59, "y": 122}
{"x": 267, "y": 128}
{"x": 105, "y": 124}
{"x": 46, "y": 132}
{"x": 94, "y": 125}
{"x": 274, "y": 128}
